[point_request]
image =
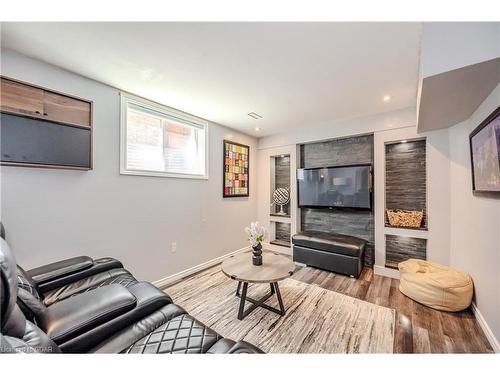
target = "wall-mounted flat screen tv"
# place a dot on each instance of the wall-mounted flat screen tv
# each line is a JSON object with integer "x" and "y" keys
{"x": 485, "y": 154}
{"x": 344, "y": 186}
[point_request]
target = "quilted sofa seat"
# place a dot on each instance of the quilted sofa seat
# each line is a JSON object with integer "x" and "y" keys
{"x": 434, "y": 285}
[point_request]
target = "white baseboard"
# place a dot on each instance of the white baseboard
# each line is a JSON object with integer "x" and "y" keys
{"x": 486, "y": 328}
{"x": 384, "y": 271}
{"x": 166, "y": 281}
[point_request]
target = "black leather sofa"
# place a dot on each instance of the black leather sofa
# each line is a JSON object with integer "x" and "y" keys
{"x": 330, "y": 251}
{"x": 82, "y": 305}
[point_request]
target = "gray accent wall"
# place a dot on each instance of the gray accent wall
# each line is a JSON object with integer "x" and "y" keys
{"x": 282, "y": 231}
{"x": 281, "y": 178}
{"x": 405, "y": 177}
{"x": 401, "y": 248}
{"x": 336, "y": 152}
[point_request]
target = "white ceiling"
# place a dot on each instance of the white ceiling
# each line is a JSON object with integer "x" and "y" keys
{"x": 293, "y": 74}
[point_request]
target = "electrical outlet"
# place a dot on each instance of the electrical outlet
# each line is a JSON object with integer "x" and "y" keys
{"x": 173, "y": 247}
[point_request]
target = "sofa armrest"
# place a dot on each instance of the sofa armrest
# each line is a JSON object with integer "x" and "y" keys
{"x": 97, "y": 266}
{"x": 56, "y": 270}
{"x": 73, "y": 316}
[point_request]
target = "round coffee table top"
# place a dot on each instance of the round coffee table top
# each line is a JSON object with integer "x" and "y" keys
{"x": 274, "y": 268}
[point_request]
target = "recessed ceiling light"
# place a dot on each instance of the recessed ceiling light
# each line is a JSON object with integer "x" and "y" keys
{"x": 254, "y": 115}
{"x": 386, "y": 98}
{"x": 404, "y": 141}
{"x": 257, "y": 129}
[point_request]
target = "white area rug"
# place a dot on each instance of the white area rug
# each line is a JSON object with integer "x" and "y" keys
{"x": 316, "y": 321}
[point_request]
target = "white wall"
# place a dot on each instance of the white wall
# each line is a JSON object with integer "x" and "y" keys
{"x": 452, "y": 45}
{"x": 475, "y": 221}
{"x": 54, "y": 214}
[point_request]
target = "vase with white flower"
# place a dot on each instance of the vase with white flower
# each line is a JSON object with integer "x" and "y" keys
{"x": 256, "y": 235}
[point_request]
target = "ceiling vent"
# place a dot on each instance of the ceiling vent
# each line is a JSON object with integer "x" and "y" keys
{"x": 254, "y": 115}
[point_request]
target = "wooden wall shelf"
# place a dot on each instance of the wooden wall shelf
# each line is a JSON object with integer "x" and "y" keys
{"x": 406, "y": 228}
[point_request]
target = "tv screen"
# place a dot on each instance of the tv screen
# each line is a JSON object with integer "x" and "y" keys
{"x": 485, "y": 154}
{"x": 347, "y": 186}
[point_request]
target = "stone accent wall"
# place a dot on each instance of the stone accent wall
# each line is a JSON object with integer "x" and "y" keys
{"x": 336, "y": 152}
{"x": 282, "y": 178}
{"x": 401, "y": 248}
{"x": 405, "y": 177}
{"x": 282, "y": 231}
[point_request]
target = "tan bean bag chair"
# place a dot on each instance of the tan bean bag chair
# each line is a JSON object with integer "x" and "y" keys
{"x": 435, "y": 285}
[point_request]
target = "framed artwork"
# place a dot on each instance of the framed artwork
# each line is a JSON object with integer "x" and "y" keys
{"x": 236, "y": 170}
{"x": 485, "y": 154}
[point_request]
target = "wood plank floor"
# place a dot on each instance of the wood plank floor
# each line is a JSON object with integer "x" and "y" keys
{"x": 419, "y": 329}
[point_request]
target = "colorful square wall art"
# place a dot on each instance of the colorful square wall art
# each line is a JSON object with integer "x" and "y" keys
{"x": 236, "y": 167}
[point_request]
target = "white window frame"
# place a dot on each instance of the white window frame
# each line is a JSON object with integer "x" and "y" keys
{"x": 164, "y": 111}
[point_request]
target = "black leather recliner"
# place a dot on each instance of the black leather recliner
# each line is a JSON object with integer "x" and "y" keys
{"x": 110, "y": 318}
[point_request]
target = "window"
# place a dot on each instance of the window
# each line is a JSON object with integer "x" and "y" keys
{"x": 159, "y": 141}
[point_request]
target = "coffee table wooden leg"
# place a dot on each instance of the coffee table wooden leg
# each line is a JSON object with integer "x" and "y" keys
{"x": 280, "y": 301}
{"x": 242, "y": 300}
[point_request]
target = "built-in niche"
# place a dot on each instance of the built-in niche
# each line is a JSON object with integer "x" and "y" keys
{"x": 279, "y": 211}
{"x": 401, "y": 248}
{"x": 280, "y": 233}
{"x": 353, "y": 222}
{"x": 405, "y": 178}
{"x": 280, "y": 179}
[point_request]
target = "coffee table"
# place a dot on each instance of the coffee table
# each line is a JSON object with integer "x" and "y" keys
{"x": 274, "y": 268}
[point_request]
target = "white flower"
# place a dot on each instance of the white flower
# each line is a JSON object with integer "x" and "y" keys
{"x": 256, "y": 233}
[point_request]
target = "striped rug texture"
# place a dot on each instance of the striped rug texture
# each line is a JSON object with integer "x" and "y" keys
{"x": 316, "y": 321}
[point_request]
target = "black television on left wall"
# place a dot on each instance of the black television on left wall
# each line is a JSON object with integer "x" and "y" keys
{"x": 347, "y": 186}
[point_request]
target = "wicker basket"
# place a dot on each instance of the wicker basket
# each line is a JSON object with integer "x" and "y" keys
{"x": 404, "y": 218}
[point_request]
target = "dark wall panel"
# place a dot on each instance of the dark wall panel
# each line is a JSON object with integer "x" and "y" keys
{"x": 282, "y": 178}
{"x": 282, "y": 231}
{"x": 405, "y": 177}
{"x": 282, "y": 171}
{"x": 401, "y": 248}
{"x": 345, "y": 151}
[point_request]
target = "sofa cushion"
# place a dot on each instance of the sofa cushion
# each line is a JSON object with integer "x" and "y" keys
{"x": 330, "y": 242}
{"x": 122, "y": 340}
{"x": 182, "y": 334}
